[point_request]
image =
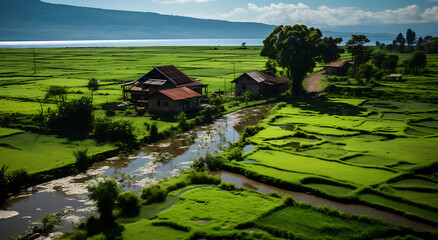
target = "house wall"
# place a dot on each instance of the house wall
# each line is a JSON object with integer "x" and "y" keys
{"x": 169, "y": 106}
{"x": 246, "y": 84}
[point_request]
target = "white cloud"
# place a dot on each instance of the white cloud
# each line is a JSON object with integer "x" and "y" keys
{"x": 300, "y": 13}
{"x": 431, "y": 14}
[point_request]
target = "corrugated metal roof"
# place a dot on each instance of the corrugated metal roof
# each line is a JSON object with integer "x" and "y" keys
{"x": 179, "y": 93}
{"x": 256, "y": 76}
{"x": 138, "y": 89}
{"x": 338, "y": 64}
{"x": 173, "y": 74}
{"x": 156, "y": 82}
{"x": 262, "y": 77}
{"x": 394, "y": 75}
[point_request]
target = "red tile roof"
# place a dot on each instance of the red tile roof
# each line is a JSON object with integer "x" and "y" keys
{"x": 179, "y": 93}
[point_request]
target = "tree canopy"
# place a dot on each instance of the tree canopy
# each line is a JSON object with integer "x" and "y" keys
{"x": 105, "y": 193}
{"x": 297, "y": 48}
{"x": 360, "y": 53}
{"x": 411, "y": 37}
{"x": 93, "y": 85}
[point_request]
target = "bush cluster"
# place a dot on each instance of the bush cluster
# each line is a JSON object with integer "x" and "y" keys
{"x": 128, "y": 203}
{"x": 82, "y": 160}
{"x": 209, "y": 162}
{"x": 110, "y": 130}
{"x": 154, "y": 193}
{"x": 158, "y": 192}
{"x": 72, "y": 118}
{"x": 12, "y": 181}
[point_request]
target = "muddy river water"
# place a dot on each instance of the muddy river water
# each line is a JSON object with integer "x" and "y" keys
{"x": 155, "y": 161}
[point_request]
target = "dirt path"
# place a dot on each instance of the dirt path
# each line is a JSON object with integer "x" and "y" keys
{"x": 312, "y": 82}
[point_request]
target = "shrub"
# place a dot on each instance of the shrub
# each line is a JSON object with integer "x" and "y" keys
{"x": 227, "y": 186}
{"x": 49, "y": 221}
{"x": 128, "y": 202}
{"x": 154, "y": 193}
{"x": 4, "y": 182}
{"x": 110, "y": 130}
{"x": 154, "y": 131}
{"x": 82, "y": 160}
{"x": 182, "y": 120}
{"x": 210, "y": 162}
{"x": 18, "y": 179}
{"x": 93, "y": 225}
{"x": 202, "y": 177}
{"x": 105, "y": 193}
{"x": 72, "y": 117}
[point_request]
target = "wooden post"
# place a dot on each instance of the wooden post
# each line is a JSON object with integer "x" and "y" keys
{"x": 34, "y": 62}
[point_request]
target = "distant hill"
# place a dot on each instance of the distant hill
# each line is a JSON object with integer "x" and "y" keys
{"x": 36, "y": 20}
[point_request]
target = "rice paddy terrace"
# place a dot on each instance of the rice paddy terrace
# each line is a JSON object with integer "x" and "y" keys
{"x": 381, "y": 153}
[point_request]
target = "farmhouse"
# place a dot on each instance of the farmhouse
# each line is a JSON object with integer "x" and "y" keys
{"x": 339, "y": 68}
{"x": 159, "y": 78}
{"x": 174, "y": 100}
{"x": 260, "y": 82}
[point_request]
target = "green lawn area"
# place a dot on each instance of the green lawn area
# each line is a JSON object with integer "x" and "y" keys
{"x": 36, "y": 153}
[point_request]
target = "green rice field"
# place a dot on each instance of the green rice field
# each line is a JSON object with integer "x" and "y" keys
{"x": 209, "y": 212}
{"x": 382, "y": 153}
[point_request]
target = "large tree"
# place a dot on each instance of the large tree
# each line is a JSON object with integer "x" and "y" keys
{"x": 297, "y": 48}
{"x": 411, "y": 37}
{"x": 361, "y": 54}
{"x": 400, "y": 42}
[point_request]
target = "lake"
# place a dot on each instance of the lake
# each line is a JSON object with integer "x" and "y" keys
{"x": 154, "y": 42}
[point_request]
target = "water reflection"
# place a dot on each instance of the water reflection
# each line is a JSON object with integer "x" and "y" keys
{"x": 164, "y": 158}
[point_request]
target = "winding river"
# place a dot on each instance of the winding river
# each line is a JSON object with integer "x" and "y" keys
{"x": 161, "y": 159}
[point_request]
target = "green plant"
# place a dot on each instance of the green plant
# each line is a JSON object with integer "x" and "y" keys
{"x": 93, "y": 225}
{"x": 4, "y": 182}
{"x": 107, "y": 129}
{"x": 82, "y": 160}
{"x": 154, "y": 193}
{"x": 105, "y": 193}
{"x": 181, "y": 118}
{"x": 49, "y": 221}
{"x": 18, "y": 179}
{"x": 154, "y": 131}
{"x": 129, "y": 203}
{"x": 72, "y": 118}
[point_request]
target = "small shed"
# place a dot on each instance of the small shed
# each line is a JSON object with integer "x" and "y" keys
{"x": 339, "y": 68}
{"x": 260, "y": 82}
{"x": 394, "y": 77}
{"x": 174, "y": 100}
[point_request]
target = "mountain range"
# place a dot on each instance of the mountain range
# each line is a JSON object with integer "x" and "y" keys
{"x": 36, "y": 20}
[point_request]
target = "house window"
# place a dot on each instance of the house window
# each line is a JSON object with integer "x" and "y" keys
{"x": 158, "y": 103}
{"x": 166, "y": 103}
{"x": 243, "y": 87}
{"x": 181, "y": 103}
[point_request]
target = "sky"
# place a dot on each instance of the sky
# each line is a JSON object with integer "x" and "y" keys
{"x": 287, "y": 12}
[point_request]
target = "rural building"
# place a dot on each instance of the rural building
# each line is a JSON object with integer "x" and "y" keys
{"x": 159, "y": 78}
{"x": 394, "y": 77}
{"x": 260, "y": 82}
{"x": 339, "y": 68}
{"x": 174, "y": 100}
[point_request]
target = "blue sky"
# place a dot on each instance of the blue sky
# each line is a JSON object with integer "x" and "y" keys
{"x": 313, "y": 12}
